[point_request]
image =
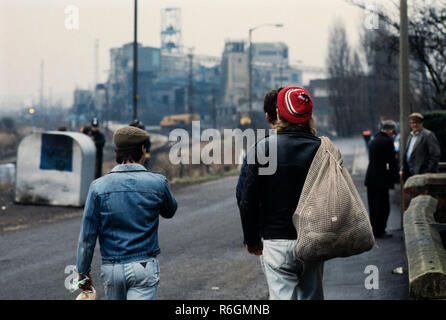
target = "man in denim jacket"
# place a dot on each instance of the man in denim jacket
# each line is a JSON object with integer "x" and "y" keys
{"x": 123, "y": 209}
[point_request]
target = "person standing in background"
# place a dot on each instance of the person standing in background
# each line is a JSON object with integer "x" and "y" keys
{"x": 85, "y": 129}
{"x": 366, "y": 135}
{"x": 422, "y": 150}
{"x": 382, "y": 173}
{"x": 99, "y": 141}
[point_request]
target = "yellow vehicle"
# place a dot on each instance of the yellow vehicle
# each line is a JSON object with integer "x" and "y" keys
{"x": 179, "y": 120}
{"x": 245, "y": 121}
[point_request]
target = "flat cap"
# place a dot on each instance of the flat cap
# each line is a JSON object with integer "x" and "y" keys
{"x": 128, "y": 137}
{"x": 416, "y": 115}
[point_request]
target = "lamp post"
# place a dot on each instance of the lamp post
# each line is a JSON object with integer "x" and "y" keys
{"x": 250, "y": 64}
{"x": 404, "y": 88}
{"x": 135, "y": 63}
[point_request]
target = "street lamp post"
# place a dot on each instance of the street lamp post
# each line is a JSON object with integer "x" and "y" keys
{"x": 404, "y": 87}
{"x": 107, "y": 104}
{"x": 250, "y": 65}
{"x": 135, "y": 63}
{"x": 190, "y": 86}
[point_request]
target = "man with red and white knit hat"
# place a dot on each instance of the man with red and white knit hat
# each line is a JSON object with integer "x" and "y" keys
{"x": 268, "y": 202}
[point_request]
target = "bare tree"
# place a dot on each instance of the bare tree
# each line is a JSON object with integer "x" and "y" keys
{"x": 427, "y": 40}
{"x": 382, "y": 74}
{"x": 346, "y": 83}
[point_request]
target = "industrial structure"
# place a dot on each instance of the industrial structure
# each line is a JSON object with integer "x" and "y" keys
{"x": 173, "y": 80}
{"x": 171, "y": 37}
{"x": 270, "y": 69}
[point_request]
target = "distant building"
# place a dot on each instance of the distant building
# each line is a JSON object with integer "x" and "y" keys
{"x": 234, "y": 73}
{"x": 322, "y": 111}
{"x": 100, "y": 101}
{"x": 234, "y": 81}
{"x": 84, "y": 104}
{"x": 267, "y": 76}
{"x": 121, "y": 79}
{"x": 187, "y": 83}
{"x": 270, "y": 70}
{"x": 168, "y": 83}
{"x": 174, "y": 65}
{"x": 275, "y": 53}
{"x": 173, "y": 82}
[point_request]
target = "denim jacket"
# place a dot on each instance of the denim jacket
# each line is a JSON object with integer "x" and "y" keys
{"x": 123, "y": 209}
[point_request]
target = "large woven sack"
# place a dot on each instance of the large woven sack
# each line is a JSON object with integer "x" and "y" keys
{"x": 330, "y": 219}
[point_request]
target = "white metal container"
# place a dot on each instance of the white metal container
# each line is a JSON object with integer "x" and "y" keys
{"x": 55, "y": 168}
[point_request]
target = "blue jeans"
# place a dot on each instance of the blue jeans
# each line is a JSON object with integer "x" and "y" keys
{"x": 288, "y": 278}
{"x": 136, "y": 280}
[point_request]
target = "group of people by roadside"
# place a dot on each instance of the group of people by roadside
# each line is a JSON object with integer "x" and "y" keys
{"x": 123, "y": 207}
{"x": 422, "y": 155}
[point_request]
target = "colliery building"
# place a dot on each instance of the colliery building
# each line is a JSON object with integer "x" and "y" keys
{"x": 174, "y": 80}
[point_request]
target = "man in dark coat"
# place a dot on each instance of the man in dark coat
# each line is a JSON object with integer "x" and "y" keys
{"x": 268, "y": 201}
{"x": 99, "y": 141}
{"x": 382, "y": 173}
{"x": 422, "y": 150}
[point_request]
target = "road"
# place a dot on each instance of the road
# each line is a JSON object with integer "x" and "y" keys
{"x": 202, "y": 251}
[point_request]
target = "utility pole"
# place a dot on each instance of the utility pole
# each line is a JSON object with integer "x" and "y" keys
{"x": 107, "y": 105}
{"x": 42, "y": 67}
{"x": 190, "y": 87}
{"x": 214, "y": 110}
{"x": 250, "y": 75}
{"x": 214, "y": 99}
{"x": 404, "y": 87}
{"x": 96, "y": 62}
{"x": 135, "y": 64}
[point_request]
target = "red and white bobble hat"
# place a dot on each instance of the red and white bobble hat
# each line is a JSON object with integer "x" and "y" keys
{"x": 295, "y": 105}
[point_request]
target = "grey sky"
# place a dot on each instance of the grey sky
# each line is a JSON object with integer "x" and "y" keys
{"x": 31, "y": 30}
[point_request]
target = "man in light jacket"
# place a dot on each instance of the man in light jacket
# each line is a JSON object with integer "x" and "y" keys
{"x": 422, "y": 150}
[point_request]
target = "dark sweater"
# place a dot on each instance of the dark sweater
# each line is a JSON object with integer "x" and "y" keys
{"x": 268, "y": 202}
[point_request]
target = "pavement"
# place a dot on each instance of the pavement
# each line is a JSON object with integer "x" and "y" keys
{"x": 203, "y": 256}
{"x": 369, "y": 276}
